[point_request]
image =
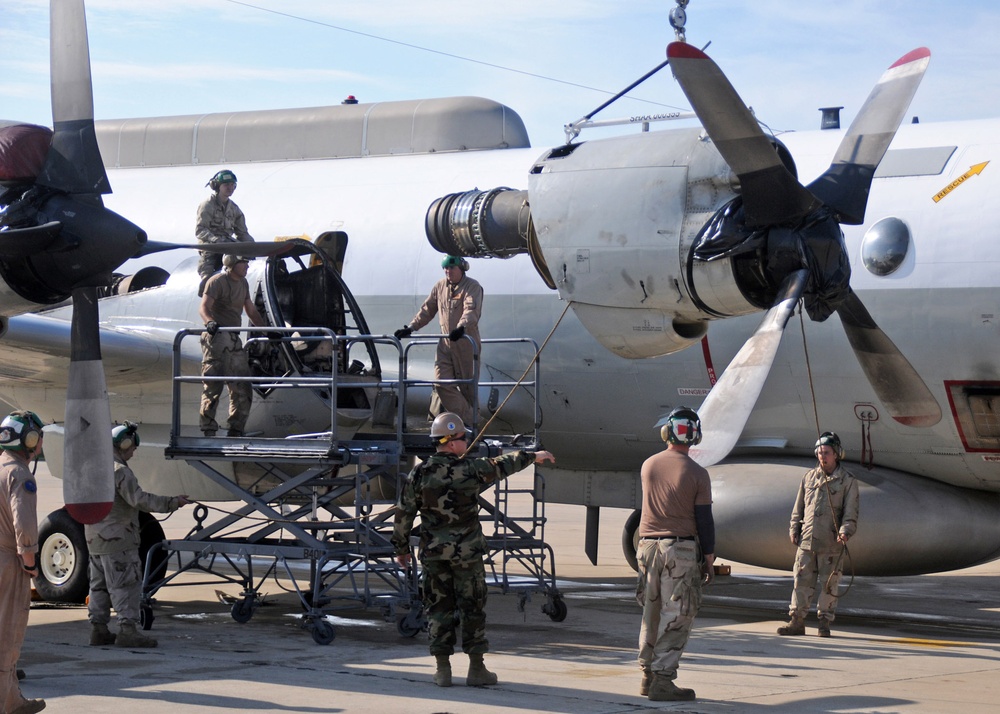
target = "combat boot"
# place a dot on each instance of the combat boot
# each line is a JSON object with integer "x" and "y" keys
{"x": 824, "y": 627}
{"x": 100, "y": 635}
{"x": 795, "y": 626}
{"x": 663, "y": 689}
{"x": 29, "y": 706}
{"x": 442, "y": 677}
{"x": 647, "y": 680}
{"x": 478, "y": 675}
{"x": 129, "y": 637}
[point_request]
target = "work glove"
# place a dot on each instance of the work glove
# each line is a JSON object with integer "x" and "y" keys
{"x": 403, "y": 332}
{"x": 457, "y": 333}
{"x": 211, "y": 327}
{"x": 274, "y": 335}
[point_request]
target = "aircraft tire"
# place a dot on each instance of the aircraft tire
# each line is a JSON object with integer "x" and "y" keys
{"x": 151, "y": 534}
{"x": 63, "y": 558}
{"x": 630, "y": 539}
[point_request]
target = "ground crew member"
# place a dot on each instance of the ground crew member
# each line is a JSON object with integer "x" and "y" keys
{"x": 676, "y": 554}
{"x": 226, "y": 298}
{"x": 21, "y": 442}
{"x": 824, "y": 517}
{"x": 219, "y": 220}
{"x": 445, "y": 490}
{"x": 115, "y": 568}
{"x": 457, "y": 300}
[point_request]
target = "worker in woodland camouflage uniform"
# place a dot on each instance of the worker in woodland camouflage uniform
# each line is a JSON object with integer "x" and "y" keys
{"x": 445, "y": 490}
{"x": 115, "y": 568}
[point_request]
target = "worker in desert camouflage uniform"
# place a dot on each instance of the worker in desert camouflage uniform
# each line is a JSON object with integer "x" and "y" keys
{"x": 115, "y": 567}
{"x": 445, "y": 490}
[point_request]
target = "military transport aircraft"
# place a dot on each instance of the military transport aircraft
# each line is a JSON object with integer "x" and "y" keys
{"x": 665, "y": 245}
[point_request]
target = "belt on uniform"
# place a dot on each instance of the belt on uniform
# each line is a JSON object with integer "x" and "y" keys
{"x": 667, "y": 538}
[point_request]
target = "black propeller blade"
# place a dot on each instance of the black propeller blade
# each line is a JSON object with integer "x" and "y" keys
{"x": 803, "y": 237}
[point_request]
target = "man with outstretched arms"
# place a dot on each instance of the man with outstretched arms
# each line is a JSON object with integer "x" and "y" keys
{"x": 444, "y": 490}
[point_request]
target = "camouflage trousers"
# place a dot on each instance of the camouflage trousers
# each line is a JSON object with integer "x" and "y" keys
{"x": 223, "y": 356}
{"x": 810, "y": 567}
{"x": 15, "y": 602}
{"x": 455, "y": 594}
{"x": 115, "y": 581}
{"x": 669, "y": 590}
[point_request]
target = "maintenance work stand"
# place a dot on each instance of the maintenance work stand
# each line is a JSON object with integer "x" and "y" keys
{"x": 314, "y": 511}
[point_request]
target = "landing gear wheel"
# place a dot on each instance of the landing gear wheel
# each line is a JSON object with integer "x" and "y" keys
{"x": 556, "y": 609}
{"x": 62, "y": 559}
{"x": 630, "y": 540}
{"x": 146, "y": 617}
{"x": 322, "y": 632}
{"x": 243, "y": 610}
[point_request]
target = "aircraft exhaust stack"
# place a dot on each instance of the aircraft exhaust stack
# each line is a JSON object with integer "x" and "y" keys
{"x": 480, "y": 224}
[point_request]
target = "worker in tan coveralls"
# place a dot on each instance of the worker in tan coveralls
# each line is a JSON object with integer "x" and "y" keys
{"x": 219, "y": 220}
{"x": 115, "y": 567}
{"x": 226, "y": 298}
{"x": 21, "y": 441}
{"x": 457, "y": 300}
{"x": 824, "y": 518}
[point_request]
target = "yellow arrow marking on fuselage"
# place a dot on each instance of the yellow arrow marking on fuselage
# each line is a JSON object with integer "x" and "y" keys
{"x": 974, "y": 170}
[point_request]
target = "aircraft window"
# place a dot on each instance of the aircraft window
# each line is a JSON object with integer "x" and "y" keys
{"x": 929, "y": 161}
{"x": 884, "y": 246}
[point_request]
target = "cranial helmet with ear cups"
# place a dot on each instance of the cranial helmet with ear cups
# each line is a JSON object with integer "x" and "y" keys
{"x": 829, "y": 438}
{"x": 683, "y": 427}
{"x": 20, "y": 430}
{"x": 125, "y": 435}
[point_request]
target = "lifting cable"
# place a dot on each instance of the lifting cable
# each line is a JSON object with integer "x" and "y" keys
{"x": 828, "y": 587}
{"x": 520, "y": 379}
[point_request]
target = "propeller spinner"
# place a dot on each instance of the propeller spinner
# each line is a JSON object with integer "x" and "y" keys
{"x": 797, "y": 231}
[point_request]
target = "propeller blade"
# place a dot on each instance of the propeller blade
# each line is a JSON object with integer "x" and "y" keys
{"x": 25, "y": 242}
{"x": 725, "y": 411}
{"x": 770, "y": 193}
{"x": 895, "y": 381}
{"x": 845, "y": 185}
{"x": 88, "y": 481}
{"x": 250, "y": 250}
{"x": 73, "y": 164}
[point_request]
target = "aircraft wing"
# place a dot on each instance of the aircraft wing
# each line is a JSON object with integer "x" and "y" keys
{"x": 35, "y": 350}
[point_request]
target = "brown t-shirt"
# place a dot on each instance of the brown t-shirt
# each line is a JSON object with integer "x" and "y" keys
{"x": 672, "y": 485}
{"x": 229, "y": 298}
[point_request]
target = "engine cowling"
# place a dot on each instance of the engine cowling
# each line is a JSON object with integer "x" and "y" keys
{"x": 613, "y": 225}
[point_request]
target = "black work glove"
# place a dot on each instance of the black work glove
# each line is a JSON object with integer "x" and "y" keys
{"x": 211, "y": 327}
{"x": 457, "y": 333}
{"x": 403, "y": 332}
{"x": 274, "y": 336}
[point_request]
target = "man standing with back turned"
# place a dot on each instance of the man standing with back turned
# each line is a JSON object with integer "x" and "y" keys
{"x": 676, "y": 554}
{"x": 824, "y": 517}
{"x": 445, "y": 490}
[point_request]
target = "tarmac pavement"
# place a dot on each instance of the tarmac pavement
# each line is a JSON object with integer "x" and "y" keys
{"x": 915, "y": 644}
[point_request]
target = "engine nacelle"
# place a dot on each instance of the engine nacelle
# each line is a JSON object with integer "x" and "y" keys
{"x": 613, "y": 225}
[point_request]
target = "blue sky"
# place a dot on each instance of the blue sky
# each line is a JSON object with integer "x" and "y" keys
{"x": 786, "y": 58}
